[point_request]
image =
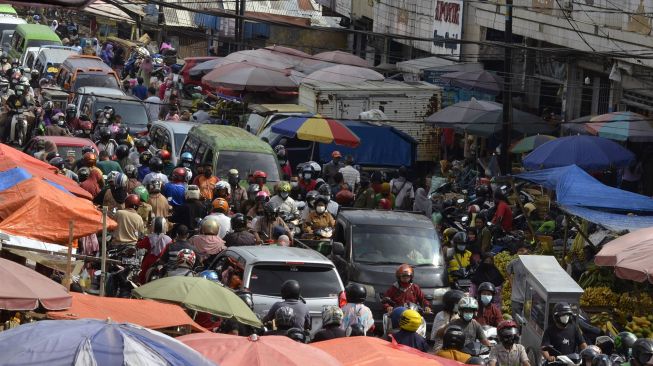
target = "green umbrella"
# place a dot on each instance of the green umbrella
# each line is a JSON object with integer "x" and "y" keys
{"x": 200, "y": 294}
{"x": 530, "y": 143}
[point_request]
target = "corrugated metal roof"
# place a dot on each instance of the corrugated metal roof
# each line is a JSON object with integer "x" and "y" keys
{"x": 181, "y": 18}
{"x": 293, "y": 8}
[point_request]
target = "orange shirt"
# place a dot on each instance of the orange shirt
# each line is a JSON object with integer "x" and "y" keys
{"x": 206, "y": 186}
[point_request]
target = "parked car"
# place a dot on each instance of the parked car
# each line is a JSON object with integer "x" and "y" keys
{"x": 266, "y": 268}
{"x": 131, "y": 109}
{"x": 70, "y": 148}
{"x": 80, "y": 70}
{"x": 170, "y": 135}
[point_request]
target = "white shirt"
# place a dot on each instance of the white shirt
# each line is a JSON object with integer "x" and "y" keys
{"x": 225, "y": 223}
{"x": 288, "y": 205}
{"x": 401, "y": 190}
{"x": 153, "y": 106}
{"x": 351, "y": 176}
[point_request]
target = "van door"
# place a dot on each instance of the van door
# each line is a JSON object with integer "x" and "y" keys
{"x": 190, "y": 145}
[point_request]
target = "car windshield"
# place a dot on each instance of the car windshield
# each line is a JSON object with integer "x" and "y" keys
{"x": 375, "y": 244}
{"x": 133, "y": 114}
{"x": 315, "y": 281}
{"x": 246, "y": 163}
{"x": 179, "y": 140}
{"x": 40, "y": 42}
{"x": 99, "y": 80}
{"x": 70, "y": 152}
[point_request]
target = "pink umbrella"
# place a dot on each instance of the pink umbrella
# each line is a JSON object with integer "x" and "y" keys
{"x": 345, "y": 74}
{"x": 26, "y": 289}
{"x": 634, "y": 241}
{"x": 341, "y": 57}
{"x": 247, "y": 76}
{"x": 263, "y": 57}
{"x": 635, "y": 266}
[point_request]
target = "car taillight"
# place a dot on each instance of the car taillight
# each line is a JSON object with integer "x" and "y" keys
{"x": 342, "y": 299}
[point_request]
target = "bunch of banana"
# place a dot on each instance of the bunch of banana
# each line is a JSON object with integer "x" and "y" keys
{"x": 506, "y": 291}
{"x": 599, "y": 296}
{"x": 596, "y": 277}
{"x": 635, "y": 304}
{"x": 502, "y": 260}
{"x": 641, "y": 326}
{"x": 604, "y": 322}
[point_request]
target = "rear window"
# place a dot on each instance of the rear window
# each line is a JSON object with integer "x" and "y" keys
{"x": 315, "y": 281}
{"x": 246, "y": 163}
{"x": 99, "y": 80}
{"x": 133, "y": 114}
{"x": 70, "y": 152}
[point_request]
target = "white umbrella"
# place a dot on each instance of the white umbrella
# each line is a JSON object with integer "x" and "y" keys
{"x": 263, "y": 57}
{"x": 345, "y": 74}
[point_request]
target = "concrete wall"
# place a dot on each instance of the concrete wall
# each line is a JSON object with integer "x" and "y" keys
{"x": 311, "y": 41}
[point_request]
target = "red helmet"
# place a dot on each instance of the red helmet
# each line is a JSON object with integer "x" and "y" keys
{"x": 86, "y": 125}
{"x": 186, "y": 257}
{"x": 384, "y": 204}
{"x": 179, "y": 174}
{"x": 259, "y": 176}
{"x": 506, "y": 324}
{"x": 262, "y": 196}
{"x": 164, "y": 155}
{"x": 132, "y": 201}
{"x": 345, "y": 197}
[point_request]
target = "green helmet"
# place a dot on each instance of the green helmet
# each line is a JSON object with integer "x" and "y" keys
{"x": 284, "y": 187}
{"x": 436, "y": 217}
{"x": 142, "y": 193}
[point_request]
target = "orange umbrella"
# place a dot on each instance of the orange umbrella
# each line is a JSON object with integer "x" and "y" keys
{"x": 375, "y": 351}
{"x": 146, "y": 313}
{"x": 11, "y": 158}
{"x": 229, "y": 350}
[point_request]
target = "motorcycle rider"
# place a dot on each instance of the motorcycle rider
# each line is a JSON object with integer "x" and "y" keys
{"x": 453, "y": 343}
{"x": 623, "y": 343}
{"x": 642, "y": 352}
{"x": 240, "y": 236}
{"x": 508, "y": 352}
{"x": 208, "y": 243}
{"x": 489, "y": 313}
{"x": 283, "y": 201}
{"x": 462, "y": 257}
{"x": 588, "y": 354}
{"x": 156, "y": 166}
{"x": 564, "y": 335}
{"x": 404, "y": 291}
{"x": 145, "y": 209}
{"x": 331, "y": 324}
{"x": 60, "y": 164}
{"x": 144, "y": 165}
{"x": 122, "y": 155}
{"x": 192, "y": 210}
{"x": 449, "y": 312}
{"x": 140, "y": 145}
{"x": 310, "y": 204}
{"x": 324, "y": 190}
{"x": 238, "y": 193}
{"x": 409, "y": 322}
{"x": 286, "y": 170}
{"x": 159, "y": 203}
{"x": 222, "y": 190}
{"x": 319, "y": 218}
{"x": 291, "y": 295}
{"x": 220, "y": 211}
{"x": 14, "y": 102}
{"x": 355, "y": 311}
{"x": 58, "y": 126}
{"x": 155, "y": 244}
{"x": 308, "y": 181}
{"x": 284, "y": 320}
{"x": 72, "y": 121}
{"x": 260, "y": 200}
{"x": 106, "y": 143}
{"x": 130, "y": 224}
{"x": 207, "y": 181}
{"x": 186, "y": 161}
{"x": 184, "y": 264}
{"x": 263, "y": 226}
{"x": 467, "y": 308}
{"x": 85, "y": 128}
{"x": 175, "y": 190}
{"x": 169, "y": 256}
{"x": 166, "y": 158}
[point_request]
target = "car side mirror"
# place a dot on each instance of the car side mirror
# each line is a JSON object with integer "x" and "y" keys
{"x": 337, "y": 248}
{"x": 449, "y": 253}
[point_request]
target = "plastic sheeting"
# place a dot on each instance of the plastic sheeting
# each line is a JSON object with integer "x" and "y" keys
{"x": 612, "y": 221}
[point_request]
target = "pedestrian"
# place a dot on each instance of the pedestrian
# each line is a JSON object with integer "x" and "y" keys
{"x": 140, "y": 90}
{"x": 145, "y": 71}
{"x": 422, "y": 202}
{"x": 517, "y": 275}
{"x": 365, "y": 194}
{"x": 402, "y": 189}
{"x": 330, "y": 169}
{"x": 107, "y": 54}
{"x": 350, "y": 175}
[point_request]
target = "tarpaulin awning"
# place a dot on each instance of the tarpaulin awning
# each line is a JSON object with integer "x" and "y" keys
{"x": 147, "y": 313}
{"x": 612, "y": 221}
{"x": 11, "y": 158}
{"x": 38, "y": 209}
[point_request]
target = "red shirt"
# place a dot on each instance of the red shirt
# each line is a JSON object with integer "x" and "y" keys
{"x": 411, "y": 293}
{"x": 490, "y": 315}
{"x": 504, "y": 211}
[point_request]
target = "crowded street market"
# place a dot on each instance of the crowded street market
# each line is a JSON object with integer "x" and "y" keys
{"x": 170, "y": 199}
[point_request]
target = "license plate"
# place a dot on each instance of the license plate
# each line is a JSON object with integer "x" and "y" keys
{"x": 130, "y": 261}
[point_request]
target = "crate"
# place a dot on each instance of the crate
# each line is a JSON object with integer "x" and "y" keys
{"x": 542, "y": 206}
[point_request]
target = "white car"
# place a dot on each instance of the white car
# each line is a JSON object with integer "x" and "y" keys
{"x": 169, "y": 135}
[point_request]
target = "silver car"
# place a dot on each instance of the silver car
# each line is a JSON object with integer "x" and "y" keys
{"x": 265, "y": 268}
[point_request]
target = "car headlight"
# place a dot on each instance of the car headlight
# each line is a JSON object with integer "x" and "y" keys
{"x": 438, "y": 293}
{"x": 369, "y": 289}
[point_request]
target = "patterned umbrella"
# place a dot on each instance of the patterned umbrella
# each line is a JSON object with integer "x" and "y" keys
{"x": 317, "y": 129}
{"x": 530, "y": 143}
{"x": 622, "y": 126}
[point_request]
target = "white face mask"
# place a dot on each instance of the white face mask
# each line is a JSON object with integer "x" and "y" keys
{"x": 284, "y": 195}
{"x": 485, "y": 299}
{"x": 320, "y": 209}
{"x": 564, "y": 319}
{"x": 468, "y": 316}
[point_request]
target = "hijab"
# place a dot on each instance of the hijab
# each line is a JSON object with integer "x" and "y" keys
{"x": 422, "y": 202}
{"x": 158, "y": 243}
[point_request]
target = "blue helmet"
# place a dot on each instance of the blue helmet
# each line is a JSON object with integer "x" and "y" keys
{"x": 187, "y": 156}
{"x": 210, "y": 275}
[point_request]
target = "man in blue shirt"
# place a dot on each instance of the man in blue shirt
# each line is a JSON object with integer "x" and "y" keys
{"x": 140, "y": 90}
{"x": 175, "y": 190}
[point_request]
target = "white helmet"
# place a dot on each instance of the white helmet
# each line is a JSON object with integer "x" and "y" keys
{"x": 467, "y": 302}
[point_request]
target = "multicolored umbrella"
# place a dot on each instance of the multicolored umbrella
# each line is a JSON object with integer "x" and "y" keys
{"x": 530, "y": 143}
{"x": 622, "y": 126}
{"x": 317, "y": 129}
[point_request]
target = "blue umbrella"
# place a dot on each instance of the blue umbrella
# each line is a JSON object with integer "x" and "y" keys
{"x": 588, "y": 152}
{"x": 93, "y": 342}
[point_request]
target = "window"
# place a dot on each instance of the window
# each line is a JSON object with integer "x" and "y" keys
{"x": 161, "y": 139}
{"x": 17, "y": 42}
{"x": 246, "y": 163}
{"x": 375, "y": 244}
{"x": 199, "y": 157}
{"x": 99, "y": 80}
{"x": 208, "y": 157}
{"x": 191, "y": 145}
{"x": 537, "y": 312}
{"x": 30, "y": 60}
{"x": 315, "y": 281}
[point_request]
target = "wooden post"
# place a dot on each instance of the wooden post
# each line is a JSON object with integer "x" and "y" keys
{"x": 103, "y": 265}
{"x": 68, "y": 278}
{"x": 521, "y": 206}
{"x": 565, "y": 239}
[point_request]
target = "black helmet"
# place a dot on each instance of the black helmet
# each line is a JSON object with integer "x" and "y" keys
{"x": 290, "y": 290}
{"x": 238, "y": 221}
{"x": 105, "y": 133}
{"x": 642, "y": 352}
{"x": 83, "y": 173}
{"x": 451, "y": 298}
{"x": 460, "y": 238}
{"x": 145, "y": 157}
{"x": 58, "y": 162}
{"x": 356, "y": 293}
{"x": 588, "y": 354}
{"x": 284, "y": 317}
{"x": 475, "y": 360}
{"x": 122, "y": 133}
{"x": 355, "y": 330}
{"x": 156, "y": 164}
{"x": 141, "y": 144}
{"x": 297, "y": 335}
{"x": 269, "y": 209}
{"x": 122, "y": 152}
{"x": 321, "y": 199}
{"x": 561, "y": 309}
{"x": 454, "y": 338}
{"x": 605, "y": 343}
{"x": 252, "y": 191}
{"x": 311, "y": 196}
{"x": 623, "y": 342}
{"x": 482, "y": 191}
{"x": 601, "y": 360}
{"x": 159, "y": 225}
{"x": 51, "y": 155}
{"x": 324, "y": 190}
{"x": 85, "y": 149}
{"x": 486, "y": 286}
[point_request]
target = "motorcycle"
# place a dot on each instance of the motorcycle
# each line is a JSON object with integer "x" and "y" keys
{"x": 462, "y": 279}
{"x": 18, "y": 132}
{"x": 572, "y": 359}
{"x": 121, "y": 278}
{"x": 292, "y": 221}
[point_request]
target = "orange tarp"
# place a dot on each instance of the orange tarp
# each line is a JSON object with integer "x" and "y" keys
{"x": 36, "y": 209}
{"x": 146, "y": 313}
{"x": 11, "y": 158}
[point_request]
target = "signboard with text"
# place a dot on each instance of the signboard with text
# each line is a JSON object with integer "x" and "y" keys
{"x": 447, "y": 24}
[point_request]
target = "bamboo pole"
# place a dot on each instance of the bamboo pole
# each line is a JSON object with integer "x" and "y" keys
{"x": 68, "y": 277}
{"x": 103, "y": 266}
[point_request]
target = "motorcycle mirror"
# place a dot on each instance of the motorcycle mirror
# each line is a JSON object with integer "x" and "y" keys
{"x": 460, "y": 201}
{"x": 520, "y": 320}
{"x": 465, "y": 218}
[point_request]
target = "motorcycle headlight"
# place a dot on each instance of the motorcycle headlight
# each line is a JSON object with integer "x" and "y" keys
{"x": 438, "y": 293}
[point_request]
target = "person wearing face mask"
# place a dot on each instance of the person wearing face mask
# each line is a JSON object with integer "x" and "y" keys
{"x": 563, "y": 335}
{"x": 467, "y": 309}
{"x": 462, "y": 257}
{"x": 264, "y": 225}
{"x": 488, "y": 312}
{"x": 308, "y": 180}
{"x": 238, "y": 194}
{"x": 283, "y": 201}
{"x": 286, "y": 170}
{"x": 319, "y": 218}
{"x": 508, "y": 352}
{"x": 330, "y": 169}
{"x": 295, "y": 191}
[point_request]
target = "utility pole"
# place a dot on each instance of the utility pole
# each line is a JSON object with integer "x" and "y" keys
{"x": 507, "y": 95}
{"x": 240, "y": 24}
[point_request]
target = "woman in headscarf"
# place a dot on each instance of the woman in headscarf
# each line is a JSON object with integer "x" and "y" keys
{"x": 422, "y": 202}
{"x": 107, "y": 54}
{"x": 49, "y": 148}
{"x": 156, "y": 244}
{"x": 146, "y": 70}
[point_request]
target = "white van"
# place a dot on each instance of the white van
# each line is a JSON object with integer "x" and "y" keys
{"x": 49, "y": 59}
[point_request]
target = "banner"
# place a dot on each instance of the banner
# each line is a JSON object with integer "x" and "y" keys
{"x": 447, "y": 24}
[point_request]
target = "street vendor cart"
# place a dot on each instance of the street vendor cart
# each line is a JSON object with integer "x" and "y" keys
{"x": 545, "y": 284}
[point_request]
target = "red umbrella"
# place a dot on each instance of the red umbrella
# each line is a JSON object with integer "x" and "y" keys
{"x": 26, "y": 289}
{"x": 631, "y": 256}
{"x": 341, "y": 57}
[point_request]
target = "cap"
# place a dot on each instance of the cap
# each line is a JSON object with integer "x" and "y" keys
{"x": 336, "y": 154}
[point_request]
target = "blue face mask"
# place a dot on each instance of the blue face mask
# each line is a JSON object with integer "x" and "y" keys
{"x": 468, "y": 316}
{"x": 486, "y": 299}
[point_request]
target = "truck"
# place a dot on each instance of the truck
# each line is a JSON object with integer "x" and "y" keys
{"x": 405, "y": 104}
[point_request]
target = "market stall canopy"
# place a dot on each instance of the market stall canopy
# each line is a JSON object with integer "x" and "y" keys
{"x": 633, "y": 241}
{"x": 588, "y": 152}
{"x": 345, "y": 74}
{"x": 230, "y": 350}
{"x": 416, "y": 66}
{"x": 26, "y": 199}
{"x": 93, "y": 342}
{"x": 25, "y": 289}
{"x": 622, "y": 126}
{"x": 146, "y": 313}
{"x": 263, "y": 56}
{"x": 631, "y": 255}
{"x": 208, "y": 66}
{"x": 11, "y": 158}
{"x": 247, "y": 76}
{"x": 530, "y": 143}
{"x": 310, "y": 65}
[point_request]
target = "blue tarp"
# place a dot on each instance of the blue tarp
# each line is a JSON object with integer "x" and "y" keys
{"x": 12, "y": 177}
{"x": 609, "y": 220}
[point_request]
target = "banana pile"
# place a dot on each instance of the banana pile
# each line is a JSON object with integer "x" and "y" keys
{"x": 604, "y": 321}
{"x": 501, "y": 261}
{"x": 599, "y": 296}
{"x": 641, "y": 304}
{"x": 596, "y": 276}
{"x": 506, "y": 291}
{"x": 641, "y": 326}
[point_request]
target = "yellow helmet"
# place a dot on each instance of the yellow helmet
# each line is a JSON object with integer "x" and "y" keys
{"x": 410, "y": 320}
{"x": 448, "y": 233}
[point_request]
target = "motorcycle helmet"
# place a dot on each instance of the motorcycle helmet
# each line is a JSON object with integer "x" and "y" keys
{"x": 233, "y": 178}
{"x": 642, "y": 352}
{"x": 238, "y": 222}
{"x": 486, "y": 286}
{"x": 48, "y": 106}
{"x": 142, "y": 193}
{"x": 460, "y": 241}
{"x": 83, "y": 173}
{"x": 404, "y": 270}
{"x": 132, "y": 201}
{"x": 284, "y": 189}
{"x": 311, "y": 196}
{"x": 624, "y": 342}
{"x": 450, "y": 300}
{"x": 120, "y": 180}
{"x": 130, "y": 171}
{"x": 467, "y": 307}
{"x": 453, "y": 338}
{"x": 355, "y": 330}
{"x": 122, "y": 152}
{"x": 121, "y": 134}
{"x": 220, "y": 205}
{"x": 280, "y": 150}
{"x": 210, "y": 226}
{"x": 448, "y": 234}
{"x": 356, "y": 293}
{"x": 395, "y": 315}
{"x": 475, "y": 360}
{"x": 562, "y": 313}
{"x": 602, "y": 360}
{"x": 192, "y": 192}
{"x": 186, "y": 159}
{"x": 508, "y": 333}
{"x": 252, "y": 191}
{"x": 145, "y": 157}
{"x": 324, "y": 190}
{"x": 71, "y": 110}
{"x": 262, "y": 196}
{"x": 332, "y": 315}
{"x": 89, "y": 159}
{"x": 87, "y": 127}
{"x": 587, "y": 355}
{"x": 269, "y": 210}
{"x": 284, "y": 317}
{"x": 105, "y": 133}
{"x": 155, "y": 164}
{"x": 308, "y": 173}
{"x": 179, "y": 175}
{"x": 222, "y": 189}
{"x": 142, "y": 145}
{"x": 260, "y": 177}
{"x": 410, "y": 320}
{"x": 155, "y": 185}
{"x": 290, "y": 290}
{"x": 159, "y": 225}
{"x": 58, "y": 162}
{"x": 186, "y": 258}
{"x": 85, "y": 149}
{"x": 164, "y": 155}
{"x": 210, "y": 275}
{"x": 605, "y": 343}
{"x": 108, "y": 112}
